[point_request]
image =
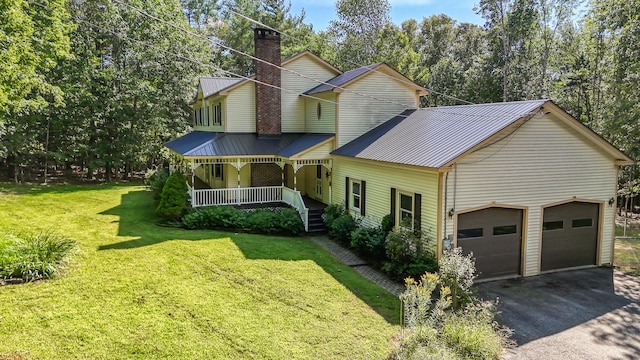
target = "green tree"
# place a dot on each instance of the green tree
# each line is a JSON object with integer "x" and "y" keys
{"x": 355, "y": 32}
{"x": 34, "y": 38}
{"x": 235, "y": 32}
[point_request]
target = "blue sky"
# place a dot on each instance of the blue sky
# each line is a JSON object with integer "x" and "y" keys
{"x": 320, "y": 12}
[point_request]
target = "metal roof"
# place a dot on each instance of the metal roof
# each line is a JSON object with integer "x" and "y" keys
{"x": 341, "y": 79}
{"x": 303, "y": 143}
{"x": 200, "y": 143}
{"x": 213, "y": 85}
{"x": 432, "y": 137}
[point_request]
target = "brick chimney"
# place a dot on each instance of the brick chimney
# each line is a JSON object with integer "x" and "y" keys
{"x": 268, "y": 99}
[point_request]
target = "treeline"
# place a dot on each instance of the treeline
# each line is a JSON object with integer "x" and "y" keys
{"x": 109, "y": 81}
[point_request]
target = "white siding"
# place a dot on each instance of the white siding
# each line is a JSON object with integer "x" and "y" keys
{"x": 321, "y": 152}
{"x": 359, "y": 113}
{"x": 240, "y": 114}
{"x": 543, "y": 162}
{"x": 293, "y": 105}
{"x": 380, "y": 179}
{"x": 326, "y": 124}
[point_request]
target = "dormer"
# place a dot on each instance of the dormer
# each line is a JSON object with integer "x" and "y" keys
{"x": 209, "y": 106}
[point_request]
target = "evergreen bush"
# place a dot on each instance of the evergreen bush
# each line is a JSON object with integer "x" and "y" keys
{"x": 370, "y": 242}
{"x": 340, "y": 229}
{"x": 174, "y": 197}
{"x": 155, "y": 180}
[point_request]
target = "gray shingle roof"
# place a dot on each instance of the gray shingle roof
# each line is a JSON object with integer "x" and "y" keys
{"x": 432, "y": 137}
{"x": 341, "y": 79}
{"x": 213, "y": 85}
{"x": 200, "y": 143}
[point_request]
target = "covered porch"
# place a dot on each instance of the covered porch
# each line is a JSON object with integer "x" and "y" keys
{"x": 294, "y": 170}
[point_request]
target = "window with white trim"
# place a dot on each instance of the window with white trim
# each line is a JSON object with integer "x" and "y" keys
{"x": 356, "y": 195}
{"x": 216, "y": 114}
{"x": 405, "y": 210}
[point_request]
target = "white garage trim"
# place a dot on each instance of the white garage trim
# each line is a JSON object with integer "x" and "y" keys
{"x": 601, "y": 211}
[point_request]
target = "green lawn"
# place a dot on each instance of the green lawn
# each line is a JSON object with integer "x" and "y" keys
{"x": 136, "y": 290}
{"x": 627, "y": 252}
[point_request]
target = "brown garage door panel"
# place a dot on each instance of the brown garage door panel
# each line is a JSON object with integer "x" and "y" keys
{"x": 570, "y": 246}
{"x": 496, "y": 255}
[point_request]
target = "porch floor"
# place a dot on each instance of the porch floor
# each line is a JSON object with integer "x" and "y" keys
{"x": 313, "y": 204}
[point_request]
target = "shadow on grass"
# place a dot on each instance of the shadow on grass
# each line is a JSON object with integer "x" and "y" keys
{"x": 137, "y": 219}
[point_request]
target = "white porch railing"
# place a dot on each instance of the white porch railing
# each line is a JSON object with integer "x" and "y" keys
{"x": 251, "y": 195}
{"x": 294, "y": 198}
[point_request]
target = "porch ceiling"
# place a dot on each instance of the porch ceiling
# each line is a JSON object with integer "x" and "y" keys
{"x": 206, "y": 144}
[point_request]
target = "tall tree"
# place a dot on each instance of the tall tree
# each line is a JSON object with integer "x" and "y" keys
{"x": 234, "y": 31}
{"x": 357, "y": 29}
{"x": 33, "y": 39}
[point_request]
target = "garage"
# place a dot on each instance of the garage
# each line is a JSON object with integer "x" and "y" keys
{"x": 494, "y": 236}
{"x": 569, "y": 235}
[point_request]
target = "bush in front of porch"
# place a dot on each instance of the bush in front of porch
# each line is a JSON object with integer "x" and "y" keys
{"x": 284, "y": 221}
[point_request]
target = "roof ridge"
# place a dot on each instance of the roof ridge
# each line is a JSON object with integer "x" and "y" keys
{"x": 489, "y": 104}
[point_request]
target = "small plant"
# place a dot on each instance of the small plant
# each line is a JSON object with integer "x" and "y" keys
{"x": 332, "y": 212}
{"x": 340, "y": 229}
{"x": 174, "y": 198}
{"x": 409, "y": 254}
{"x": 457, "y": 272}
{"x": 280, "y": 221}
{"x": 369, "y": 242}
{"x": 422, "y": 307}
{"x": 215, "y": 217}
{"x": 33, "y": 256}
{"x": 155, "y": 180}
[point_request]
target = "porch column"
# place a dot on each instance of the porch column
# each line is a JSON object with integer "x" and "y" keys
{"x": 238, "y": 191}
{"x": 193, "y": 175}
{"x": 295, "y": 175}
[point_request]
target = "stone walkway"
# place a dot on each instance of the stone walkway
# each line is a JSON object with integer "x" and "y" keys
{"x": 354, "y": 261}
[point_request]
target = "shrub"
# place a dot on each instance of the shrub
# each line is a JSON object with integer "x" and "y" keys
{"x": 424, "y": 344}
{"x": 155, "y": 180}
{"x": 332, "y": 212}
{"x": 387, "y": 224}
{"x": 282, "y": 221}
{"x": 174, "y": 197}
{"x": 215, "y": 217}
{"x": 33, "y": 256}
{"x": 457, "y": 272}
{"x": 369, "y": 242}
{"x": 472, "y": 335}
{"x": 340, "y": 229}
{"x": 291, "y": 221}
{"x": 409, "y": 254}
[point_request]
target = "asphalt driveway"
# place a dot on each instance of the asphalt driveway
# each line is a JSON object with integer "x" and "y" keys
{"x": 581, "y": 314}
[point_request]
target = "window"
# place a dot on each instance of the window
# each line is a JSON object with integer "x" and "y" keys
{"x": 470, "y": 233}
{"x": 406, "y": 210}
{"x": 552, "y": 225}
{"x": 216, "y": 114}
{"x": 505, "y": 230}
{"x": 319, "y": 111}
{"x": 578, "y": 223}
{"x": 217, "y": 171}
{"x": 356, "y": 192}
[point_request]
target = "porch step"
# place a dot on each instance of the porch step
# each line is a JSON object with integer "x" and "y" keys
{"x": 316, "y": 224}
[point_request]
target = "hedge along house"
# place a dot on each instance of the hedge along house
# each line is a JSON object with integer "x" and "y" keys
{"x": 523, "y": 185}
{"x": 268, "y": 139}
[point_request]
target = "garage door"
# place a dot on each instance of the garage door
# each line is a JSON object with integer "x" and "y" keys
{"x": 569, "y": 235}
{"x": 494, "y": 236}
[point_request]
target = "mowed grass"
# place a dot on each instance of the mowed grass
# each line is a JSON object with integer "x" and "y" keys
{"x": 138, "y": 291}
{"x": 627, "y": 251}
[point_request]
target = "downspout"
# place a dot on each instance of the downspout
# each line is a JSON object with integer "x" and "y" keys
{"x": 446, "y": 187}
